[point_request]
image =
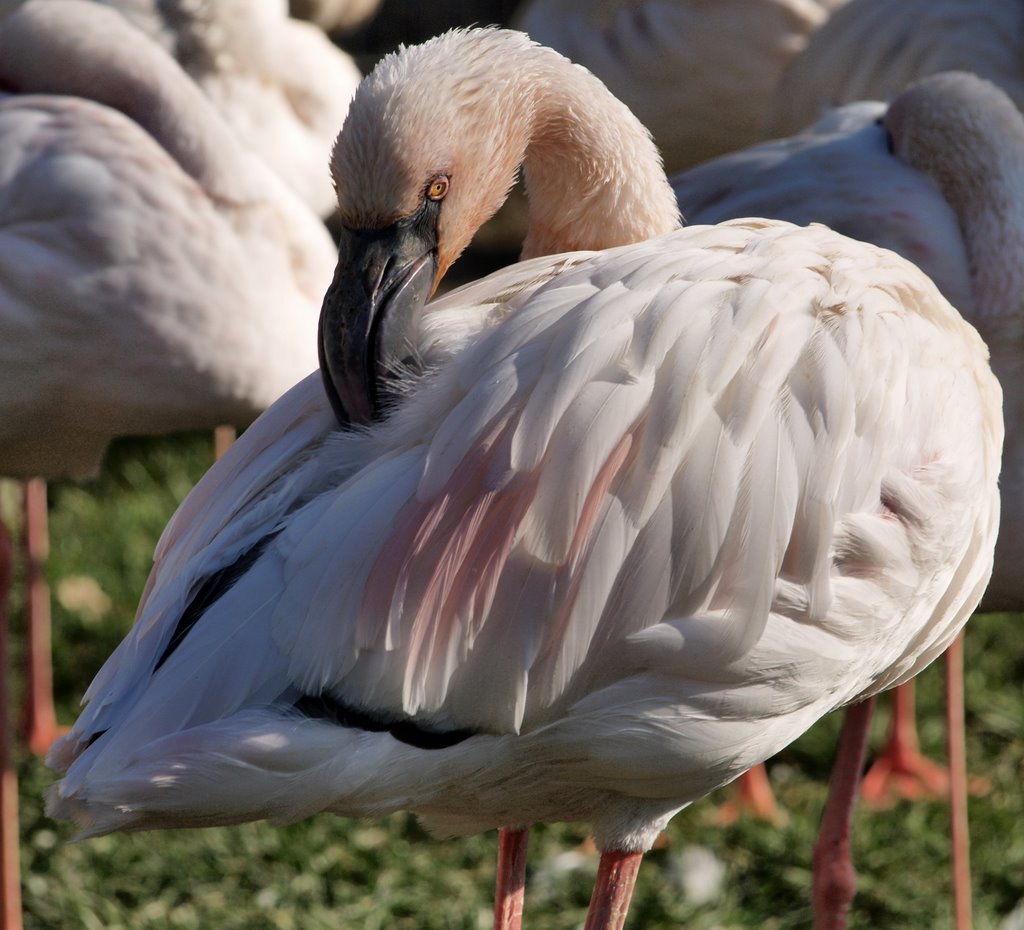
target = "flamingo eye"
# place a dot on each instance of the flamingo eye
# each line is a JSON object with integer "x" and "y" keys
{"x": 438, "y": 188}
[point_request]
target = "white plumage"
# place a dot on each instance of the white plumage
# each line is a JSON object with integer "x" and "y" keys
{"x": 701, "y": 76}
{"x": 872, "y": 49}
{"x": 571, "y": 541}
{"x": 155, "y": 276}
{"x": 937, "y": 176}
{"x": 839, "y": 172}
{"x": 279, "y": 83}
{"x": 645, "y": 514}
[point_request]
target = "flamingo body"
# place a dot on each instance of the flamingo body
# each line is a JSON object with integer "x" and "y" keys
{"x": 146, "y": 289}
{"x": 279, "y": 82}
{"x": 872, "y": 49}
{"x": 701, "y": 76}
{"x": 581, "y": 415}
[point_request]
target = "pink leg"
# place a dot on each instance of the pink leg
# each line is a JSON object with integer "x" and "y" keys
{"x": 511, "y": 881}
{"x": 10, "y": 871}
{"x": 834, "y": 880}
{"x": 223, "y": 438}
{"x": 613, "y": 889}
{"x": 901, "y": 771}
{"x": 752, "y": 794}
{"x": 958, "y": 783}
{"x": 40, "y": 718}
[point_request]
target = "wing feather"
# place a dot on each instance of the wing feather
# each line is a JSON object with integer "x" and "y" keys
{"x": 723, "y": 477}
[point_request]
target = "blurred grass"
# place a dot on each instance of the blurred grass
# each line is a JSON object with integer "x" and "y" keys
{"x": 334, "y": 873}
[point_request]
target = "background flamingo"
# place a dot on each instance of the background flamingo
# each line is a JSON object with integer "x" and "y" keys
{"x": 872, "y": 49}
{"x": 156, "y": 277}
{"x": 280, "y": 83}
{"x": 701, "y": 76}
{"x": 334, "y": 622}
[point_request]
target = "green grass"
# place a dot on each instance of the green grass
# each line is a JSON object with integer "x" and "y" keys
{"x": 334, "y": 873}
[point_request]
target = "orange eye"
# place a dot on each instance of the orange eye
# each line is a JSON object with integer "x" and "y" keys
{"x": 438, "y": 188}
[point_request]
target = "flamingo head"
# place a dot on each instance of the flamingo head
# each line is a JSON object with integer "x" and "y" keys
{"x": 430, "y": 147}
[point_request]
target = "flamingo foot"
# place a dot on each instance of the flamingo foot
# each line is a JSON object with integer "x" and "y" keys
{"x": 752, "y": 795}
{"x": 903, "y": 773}
{"x": 910, "y": 775}
{"x": 42, "y": 731}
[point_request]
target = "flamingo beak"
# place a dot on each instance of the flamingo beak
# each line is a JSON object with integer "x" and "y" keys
{"x": 369, "y": 321}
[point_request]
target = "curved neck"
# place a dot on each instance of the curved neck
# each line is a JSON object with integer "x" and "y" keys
{"x": 593, "y": 174}
{"x": 80, "y": 49}
{"x": 985, "y": 188}
{"x": 477, "y": 105}
{"x": 972, "y": 148}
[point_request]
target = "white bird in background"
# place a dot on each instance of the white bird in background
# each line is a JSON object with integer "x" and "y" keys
{"x": 613, "y": 525}
{"x": 937, "y": 176}
{"x": 335, "y": 15}
{"x": 701, "y": 76}
{"x": 280, "y": 83}
{"x": 872, "y": 49}
{"x": 155, "y": 276}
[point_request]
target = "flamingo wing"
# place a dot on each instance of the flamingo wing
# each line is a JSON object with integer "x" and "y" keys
{"x": 704, "y": 473}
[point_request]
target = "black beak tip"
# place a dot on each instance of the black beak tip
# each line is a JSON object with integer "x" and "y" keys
{"x": 369, "y": 327}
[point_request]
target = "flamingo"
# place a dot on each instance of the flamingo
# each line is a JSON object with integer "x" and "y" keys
{"x": 280, "y": 83}
{"x": 701, "y": 76}
{"x": 937, "y": 176}
{"x": 583, "y": 539}
{"x": 156, "y": 276}
{"x": 872, "y": 49}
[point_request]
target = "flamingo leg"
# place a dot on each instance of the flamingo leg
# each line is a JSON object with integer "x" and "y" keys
{"x": 10, "y": 871}
{"x": 752, "y": 794}
{"x": 40, "y": 717}
{"x": 511, "y": 881}
{"x": 958, "y": 783}
{"x": 901, "y": 770}
{"x": 834, "y": 880}
{"x": 223, "y": 439}
{"x": 613, "y": 888}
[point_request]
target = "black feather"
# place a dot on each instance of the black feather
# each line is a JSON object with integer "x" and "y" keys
{"x": 405, "y": 730}
{"x": 210, "y": 591}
